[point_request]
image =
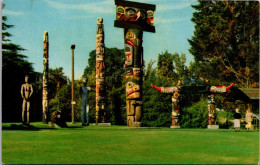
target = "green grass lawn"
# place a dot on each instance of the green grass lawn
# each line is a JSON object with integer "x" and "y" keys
{"x": 121, "y": 145}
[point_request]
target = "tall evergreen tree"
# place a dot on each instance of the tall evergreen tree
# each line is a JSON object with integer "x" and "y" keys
{"x": 14, "y": 68}
{"x": 225, "y": 43}
{"x": 180, "y": 67}
{"x": 165, "y": 65}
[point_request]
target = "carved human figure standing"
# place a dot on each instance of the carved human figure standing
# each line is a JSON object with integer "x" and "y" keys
{"x": 26, "y": 93}
{"x": 84, "y": 103}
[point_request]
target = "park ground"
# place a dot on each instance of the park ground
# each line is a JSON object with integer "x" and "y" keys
{"x": 40, "y": 144}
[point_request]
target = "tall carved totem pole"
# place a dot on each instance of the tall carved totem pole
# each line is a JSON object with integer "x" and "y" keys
{"x": 134, "y": 18}
{"x": 100, "y": 73}
{"x": 45, "y": 77}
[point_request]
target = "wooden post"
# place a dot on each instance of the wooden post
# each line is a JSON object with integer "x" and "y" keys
{"x": 72, "y": 83}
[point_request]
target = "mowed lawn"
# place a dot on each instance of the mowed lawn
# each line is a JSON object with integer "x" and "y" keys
{"x": 121, "y": 145}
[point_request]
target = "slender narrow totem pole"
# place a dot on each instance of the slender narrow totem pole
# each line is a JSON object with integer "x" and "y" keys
{"x": 211, "y": 110}
{"x": 175, "y": 103}
{"x": 72, "y": 83}
{"x": 45, "y": 77}
{"x": 134, "y": 18}
{"x": 100, "y": 73}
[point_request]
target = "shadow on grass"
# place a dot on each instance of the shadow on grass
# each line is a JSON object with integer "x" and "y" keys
{"x": 74, "y": 127}
{"x": 23, "y": 127}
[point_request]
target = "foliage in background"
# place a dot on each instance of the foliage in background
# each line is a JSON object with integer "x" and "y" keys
{"x": 195, "y": 116}
{"x": 156, "y": 106}
{"x": 62, "y": 102}
{"x": 165, "y": 65}
{"x": 225, "y": 43}
{"x": 14, "y": 68}
{"x": 56, "y": 80}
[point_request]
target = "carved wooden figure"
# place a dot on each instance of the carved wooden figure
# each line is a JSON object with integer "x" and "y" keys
{"x": 134, "y": 18}
{"x": 26, "y": 93}
{"x": 211, "y": 101}
{"x": 100, "y": 73}
{"x": 175, "y": 102}
{"x": 45, "y": 78}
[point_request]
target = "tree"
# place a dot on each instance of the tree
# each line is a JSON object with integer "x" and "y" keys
{"x": 56, "y": 80}
{"x": 195, "y": 116}
{"x": 180, "y": 67}
{"x": 226, "y": 40}
{"x": 62, "y": 102}
{"x": 156, "y": 107}
{"x": 14, "y": 68}
{"x": 165, "y": 65}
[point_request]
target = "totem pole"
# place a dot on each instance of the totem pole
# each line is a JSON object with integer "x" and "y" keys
{"x": 211, "y": 103}
{"x": 45, "y": 77}
{"x": 175, "y": 103}
{"x": 134, "y": 18}
{"x": 100, "y": 73}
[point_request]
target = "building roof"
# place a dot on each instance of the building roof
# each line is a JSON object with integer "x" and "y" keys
{"x": 252, "y": 93}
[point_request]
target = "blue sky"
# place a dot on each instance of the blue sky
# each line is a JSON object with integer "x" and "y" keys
{"x": 74, "y": 21}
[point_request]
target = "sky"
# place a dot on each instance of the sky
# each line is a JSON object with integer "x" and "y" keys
{"x": 75, "y": 21}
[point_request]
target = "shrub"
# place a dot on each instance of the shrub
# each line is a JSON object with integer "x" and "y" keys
{"x": 195, "y": 116}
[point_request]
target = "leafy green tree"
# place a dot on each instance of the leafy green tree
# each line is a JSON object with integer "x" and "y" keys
{"x": 165, "y": 65}
{"x": 195, "y": 116}
{"x": 14, "y": 68}
{"x": 62, "y": 102}
{"x": 180, "y": 67}
{"x": 226, "y": 41}
{"x": 156, "y": 106}
{"x": 56, "y": 80}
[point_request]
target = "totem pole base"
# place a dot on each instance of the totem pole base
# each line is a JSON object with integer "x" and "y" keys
{"x": 175, "y": 126}
{"x": 54, "y": 125}
{"x": 45, "y": 122}
{"x": 135, "y": 125}
{"x": 213, "y": 126}
{"x": 103, "y": 124}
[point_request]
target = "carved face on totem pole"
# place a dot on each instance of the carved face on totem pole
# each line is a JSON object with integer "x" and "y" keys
{"x": 100, "y": 70}
{"x": 139, "y": 14}
{"x": 100, "y": 88}
{"x": 99, "y": 38}
{"x": 175, "y": 117}
{"x": 100, "y": 81}
{"x": 100, "y": 48}
{"x": 137, "y": 72}
{"x": 45, "y": 36}
{"x": 100, "y": 28}
{"x": 133, "y": 88}
{"x": 132, "y": 14}
{"x": 129, "y": 53}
